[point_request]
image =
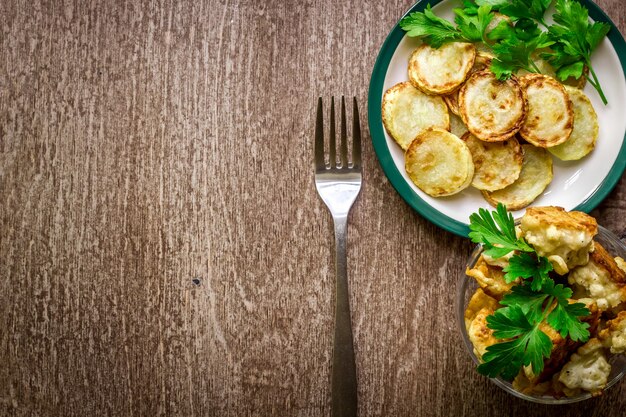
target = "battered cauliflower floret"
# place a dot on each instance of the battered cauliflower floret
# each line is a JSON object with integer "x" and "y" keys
{"x": 490, "y": 278}
{"x": 479, "y": 308}
{"x": 501, "y": 262}
{"x": 478, "y": 301}
{"x": 614, "y": 335}
{"x": 586, "y": 370}
{"x": 600, "y": 279}
{"x": 621, "y": 264}
{"x": 565, "y": 238}
{"x": 479, "y": 334}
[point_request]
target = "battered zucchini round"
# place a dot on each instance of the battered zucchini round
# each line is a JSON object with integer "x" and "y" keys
{"x": 550, "y": 117}
{"x": 585, "y": 132}
{"x": 535, "y": 176}
{"x": 457, "y": 127}
{"x": 407, "y": 112}
{"x": 492, "y": 110}
{"x": 442, "y": 70}
{"x": 439, "y": 163}
{"x": 496, "y": 164}
{"x": 482, "y": 61}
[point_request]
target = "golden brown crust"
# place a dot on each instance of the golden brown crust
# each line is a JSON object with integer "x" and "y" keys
{"x": 535, "y": 176}
{"x": 612, "y": 325}
{"x": 496, "y": 164}
{"x": 420, "y": 72}
{"x": 482, "y": 121}
{"x": 478, "y": 301}
{"x": 603, "y": 258}
{"x": 439, "y": 163}
{"x": 548, "y": 122}
{"x": 562, "y": 219}
{"x": 395, "y": 129}
{"x": 490, "y": 278}
{"x": 452, "y": 101}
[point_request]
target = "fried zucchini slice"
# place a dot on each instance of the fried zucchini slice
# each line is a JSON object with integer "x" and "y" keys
{"x": 583, "y": 138}
{"x": 442, "y": 70}
{"x": 492, "y": 110}
{"x": 496, "y": 164}
{"x": 550, "y": 117}
{"x": 457, "y": 127}
{"x": 482, "y": 61}
{"x": 407, "y": 112}
{"x": 452, "y": 101}
{"x": 535, "y": 176}
{"x": 439, "y": 163}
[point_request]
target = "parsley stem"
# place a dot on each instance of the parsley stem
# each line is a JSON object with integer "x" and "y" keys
{"x": 596, "y": 83}
{"x": 547, "y": 310}
{"x": 534, "y": 66}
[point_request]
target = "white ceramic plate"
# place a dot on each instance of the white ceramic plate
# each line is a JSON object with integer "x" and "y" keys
{"x": 579, "y": 185}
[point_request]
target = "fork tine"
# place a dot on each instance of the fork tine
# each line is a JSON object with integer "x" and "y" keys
{"x": 332, "y": 146}
{"x": 344, "y": 135}
{"x": 319, "y": 137}
{"x": 356, "y": 136}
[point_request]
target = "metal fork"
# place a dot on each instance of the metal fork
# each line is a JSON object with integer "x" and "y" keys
{"x": 338, "y": 184}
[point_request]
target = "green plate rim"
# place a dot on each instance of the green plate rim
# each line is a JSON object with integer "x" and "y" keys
{"x": 385, "y": 159}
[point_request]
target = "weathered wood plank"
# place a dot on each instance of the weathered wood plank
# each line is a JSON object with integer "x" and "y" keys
{"x": 162, "y": 247}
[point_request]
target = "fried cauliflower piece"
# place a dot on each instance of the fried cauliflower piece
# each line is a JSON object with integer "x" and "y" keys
{"x": 502, "y": 262}
{"x": 478, "y": 301}
{"x": 586, "y": 370}
{"x": 565, "y": 238}
{"x": 614, "y": 335}
{"x": 561, "y": 349}
{"x": 600, "y": 279}
{"x": 490, "y": 278}
{"x": 479, "y": 334}
{"x": 479, "y": 308}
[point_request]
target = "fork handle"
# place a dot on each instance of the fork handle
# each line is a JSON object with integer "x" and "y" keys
{"x": 344, "y": 392}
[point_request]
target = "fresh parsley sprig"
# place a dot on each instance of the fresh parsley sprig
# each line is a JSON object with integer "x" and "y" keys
{"x": 571, "y": 39}
{"x": 526, "y": 9}
{"x": 496, "y": 231}
{"x": 528, "y": 345}
{"x": 535, "y": 300}
{"x": 435, "y": 31}
{"x": 575, "y": 39}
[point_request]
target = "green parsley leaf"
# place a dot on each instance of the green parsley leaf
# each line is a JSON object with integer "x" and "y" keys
{"x": 495, "y": 4}
{"x": 526, "y": 266}
{"x": 531, "y": 302}
{"x": 433, "y": 30}
{"x": 526, "y": 9}
{"x": 514, "y": 51}
{"x": 473, "y": 22}
{"x": 564, "y": 319}
{"x": 498, "y": 229}
{"x": 575, "y": 39}
{"x": 529, "y": 347}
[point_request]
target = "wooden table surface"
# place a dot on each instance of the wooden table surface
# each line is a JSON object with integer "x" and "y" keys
{"x": 163, "y": 250}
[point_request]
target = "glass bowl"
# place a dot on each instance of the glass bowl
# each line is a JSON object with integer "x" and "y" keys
{"x": 466, "y": 288}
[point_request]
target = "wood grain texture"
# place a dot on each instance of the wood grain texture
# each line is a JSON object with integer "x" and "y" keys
{"x": 162, "y": 247}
